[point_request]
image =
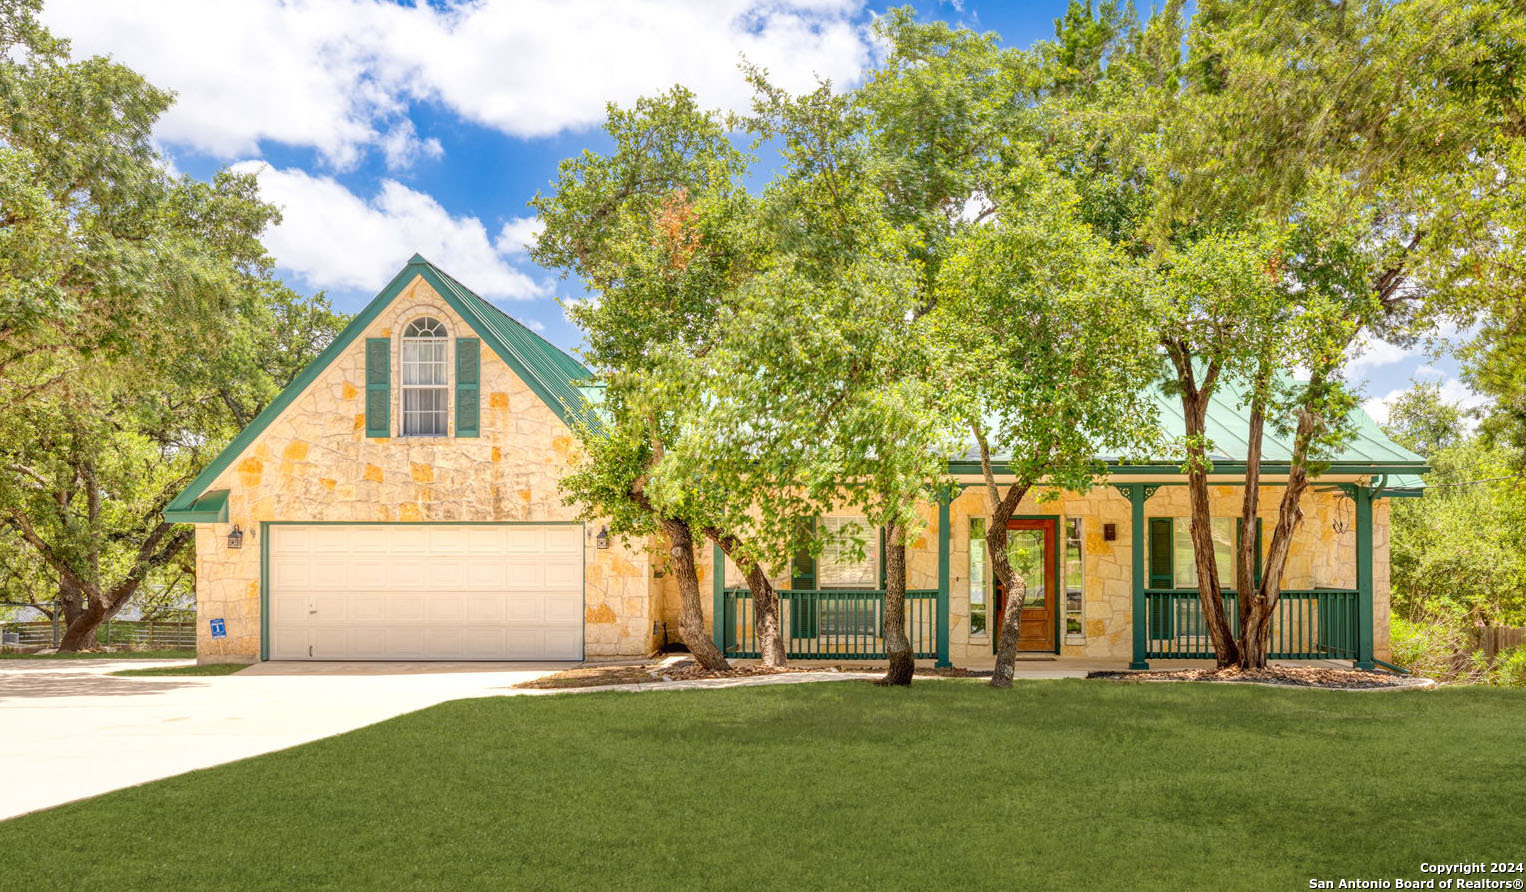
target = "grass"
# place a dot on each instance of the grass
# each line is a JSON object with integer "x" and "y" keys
{"x": 1057, "y": 785}
{"x": 207, "y": 669}
{"x": 188, "y": 653}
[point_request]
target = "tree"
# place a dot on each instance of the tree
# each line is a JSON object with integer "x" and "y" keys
{"x": 1047, "y": 345}
{"x": 656, "y": 230}
{"x": 129, "y": 300}
{"x": 1355, "y": 157}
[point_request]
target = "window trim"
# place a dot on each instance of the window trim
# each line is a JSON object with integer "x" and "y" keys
{"x": 1226, "y": 583}
{"x": 973, "y": 547}
{"x": 403, "y": 388}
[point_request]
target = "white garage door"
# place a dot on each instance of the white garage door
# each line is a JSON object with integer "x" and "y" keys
{"x": 425, "y": 592}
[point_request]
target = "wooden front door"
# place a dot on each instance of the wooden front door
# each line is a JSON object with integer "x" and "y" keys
{"x": 1031, "y": 549}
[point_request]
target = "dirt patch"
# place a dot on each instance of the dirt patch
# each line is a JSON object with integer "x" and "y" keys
{"x": 1297, "y": 677}
{"x": 593, "y": 677}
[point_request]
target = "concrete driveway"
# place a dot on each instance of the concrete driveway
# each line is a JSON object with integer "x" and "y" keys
{"x": 70, "y": 730}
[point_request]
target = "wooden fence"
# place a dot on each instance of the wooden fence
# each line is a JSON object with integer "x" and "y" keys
{"x": 1493, "y": 639}
{"x": 150, "y": 634}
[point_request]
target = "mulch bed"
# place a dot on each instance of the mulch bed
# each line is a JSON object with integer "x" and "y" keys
{"x": 688, "y": 670}
{"x": 1297, "y": 677}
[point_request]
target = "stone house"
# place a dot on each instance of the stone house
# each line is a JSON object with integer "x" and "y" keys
{"x": 400, "y": 500}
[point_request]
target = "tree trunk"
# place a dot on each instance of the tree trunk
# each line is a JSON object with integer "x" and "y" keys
{"x": 80, "y": 634}
{"x": 1003, "y": 505}
{"x": 766, "y": 617}
{"x": 691, "y": 615}
{"x": 79, "y": 624}
{"x": 1257, "y": 636}
{"x": 1195, "y": 399}
{"x": 897, "y": 644}
{"x": 1245, "y": 551}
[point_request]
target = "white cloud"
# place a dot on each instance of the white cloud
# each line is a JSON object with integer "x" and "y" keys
{"x": 401, "y": 146}
{"x": 1452, "y": 391}
{"x": 333, "y": 238}
{"x": 339, "y": 76}
{"x": 517, "y": 234}
{"x": 533, "y": 325}
{"x": 1371, "y": 353}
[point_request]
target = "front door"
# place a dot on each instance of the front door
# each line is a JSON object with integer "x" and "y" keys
{"x": 1031, "y": 549}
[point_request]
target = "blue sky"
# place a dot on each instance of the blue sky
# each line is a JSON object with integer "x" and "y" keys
{"x": 382, "y": 129}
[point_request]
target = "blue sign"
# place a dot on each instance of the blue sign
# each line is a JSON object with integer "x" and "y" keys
{"x": 219, "y": 628}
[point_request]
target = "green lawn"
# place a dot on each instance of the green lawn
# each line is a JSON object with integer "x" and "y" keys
{"x": 187, "y": 653}
{"x": 206, "y": 669}
{"x": 1069, "y": 784}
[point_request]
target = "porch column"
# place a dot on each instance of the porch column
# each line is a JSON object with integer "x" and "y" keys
{"x": 1363, "y": 498}
{"x": 1140, "y": 619}
{"x": 718, "y": 590}
{"x": 942, "y": 611}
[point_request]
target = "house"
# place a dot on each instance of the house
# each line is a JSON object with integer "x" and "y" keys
{"x": 400, "y": 500}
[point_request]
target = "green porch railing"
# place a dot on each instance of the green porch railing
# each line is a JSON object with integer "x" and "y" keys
{"x": 1309, "y": 624}
{"x": 831, "y": 624}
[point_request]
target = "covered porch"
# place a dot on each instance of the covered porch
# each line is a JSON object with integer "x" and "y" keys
{"x": 1105, "y": 595}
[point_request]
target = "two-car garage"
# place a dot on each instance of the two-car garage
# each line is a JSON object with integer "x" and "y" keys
{"x": 404, "y": 591}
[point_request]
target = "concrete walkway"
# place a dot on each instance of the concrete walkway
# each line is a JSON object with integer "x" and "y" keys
{"x": 71, "y": 730}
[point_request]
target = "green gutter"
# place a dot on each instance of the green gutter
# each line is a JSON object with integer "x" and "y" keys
{"x": 1220, "y": 467}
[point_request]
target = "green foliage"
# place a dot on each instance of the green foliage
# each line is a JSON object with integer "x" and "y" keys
{"x": 139, "y": 327}
{"x": 1462, "y": 548}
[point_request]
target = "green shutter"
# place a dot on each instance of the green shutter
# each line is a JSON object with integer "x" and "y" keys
{"x": 468, "y": 377}
{"x": 1160, "y": 554}
{"x": 378, "y": 387}
{"x": 1162, "y": 623}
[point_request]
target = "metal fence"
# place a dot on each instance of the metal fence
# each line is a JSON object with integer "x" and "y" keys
{"x": 1311, "y": 624}
{"x": 831, "y": 625}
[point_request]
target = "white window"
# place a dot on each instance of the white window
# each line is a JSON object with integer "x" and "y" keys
{"x": 839, "y": 567}
{"x": 426, "y": 390}
{"x": 1184, "y": 565}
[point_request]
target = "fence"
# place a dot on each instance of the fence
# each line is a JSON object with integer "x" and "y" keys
{"x": 1313, "y": 624}
{"x": 1493, "y": 639}
{"x": 832, "y": 624}
{"x": 130, "y": 633}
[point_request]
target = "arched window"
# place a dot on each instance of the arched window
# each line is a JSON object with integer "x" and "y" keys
{"x": 426, "y": 390}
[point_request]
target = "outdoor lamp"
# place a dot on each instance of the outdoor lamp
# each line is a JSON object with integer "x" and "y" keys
{"x": 236, "y": 538}
{"x": 601, "y": 540}
{"x": 1342, "y": 521}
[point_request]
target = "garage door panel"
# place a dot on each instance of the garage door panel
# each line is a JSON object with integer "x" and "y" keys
{"x": 419, "y": 592}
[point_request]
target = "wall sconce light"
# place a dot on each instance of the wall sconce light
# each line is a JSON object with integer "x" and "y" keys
{"x": 601, "y": 540}
{"x": 1342, "y": 521}
{"x": 236, "y": 538}
{"x": 1109, "y": 532}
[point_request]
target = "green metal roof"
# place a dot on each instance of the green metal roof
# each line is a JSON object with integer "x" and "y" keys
{"x": 551, "y": 374}
{"x": 1369, "y": 451}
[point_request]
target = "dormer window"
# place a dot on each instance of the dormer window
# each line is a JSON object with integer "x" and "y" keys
{"x": 426, "y": 389}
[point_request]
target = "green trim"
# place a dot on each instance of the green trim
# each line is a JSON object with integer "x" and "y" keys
{"x": 943, "y": 593}
{"x": 1393, "y": 668}
{"x": 718, "y": 593}
{"x": 264, "y": 591}
{"x": 1364, "y": 644}
{"x": 265, "y": 526}
{"x": 548, "y": 372}
{"x": 210, "y": 508}
{"x": 1137, "y": 621}
{"x": 1219, "y": 468}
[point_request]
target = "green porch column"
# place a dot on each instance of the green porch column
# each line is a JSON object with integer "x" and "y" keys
{"x": 1363, "y": 499}
{"x": 1139, "y": 620}
{"x": 718, "y": 590}
{"x": 943, "y": 558}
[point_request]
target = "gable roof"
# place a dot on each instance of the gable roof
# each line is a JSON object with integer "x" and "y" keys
{"x": 1369, "y": 451}
{"x": 553, "y": 375}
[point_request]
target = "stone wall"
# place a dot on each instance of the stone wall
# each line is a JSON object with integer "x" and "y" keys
{"x": 314, "y": 463}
